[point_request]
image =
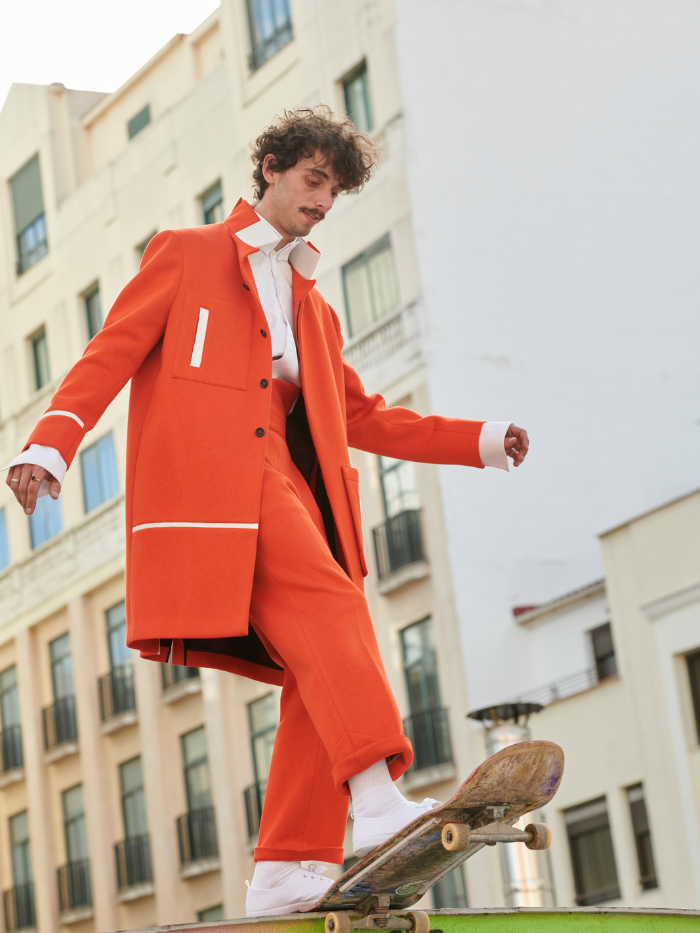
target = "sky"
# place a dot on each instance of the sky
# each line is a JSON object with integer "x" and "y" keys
{"x": 87, "y": 44}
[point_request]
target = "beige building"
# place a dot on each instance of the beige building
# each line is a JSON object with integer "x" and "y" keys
{"x": 130, "y": 793}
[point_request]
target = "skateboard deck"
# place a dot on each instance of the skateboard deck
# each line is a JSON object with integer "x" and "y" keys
{"x": 514, "y": 781}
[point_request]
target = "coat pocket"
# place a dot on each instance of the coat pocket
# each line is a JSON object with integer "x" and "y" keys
{"x": 352, "y": 487}
{"x": 214, "y": 341}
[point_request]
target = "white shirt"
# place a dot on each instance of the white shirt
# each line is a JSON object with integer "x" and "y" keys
{"x": 273, "y": 279}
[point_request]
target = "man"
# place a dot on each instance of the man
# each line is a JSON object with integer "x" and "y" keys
{"x": 244, "y": 540}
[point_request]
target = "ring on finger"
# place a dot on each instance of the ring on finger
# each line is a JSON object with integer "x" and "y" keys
{"x": 14, "y": 480}
{"x": 35, "y": 479}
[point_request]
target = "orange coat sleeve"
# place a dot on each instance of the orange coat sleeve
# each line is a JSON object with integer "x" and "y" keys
{"x": 132, "y": 328}
{"x": 401, "y": 433}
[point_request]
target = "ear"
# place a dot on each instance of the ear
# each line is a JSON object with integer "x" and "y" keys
{"x": 269, "y": 168}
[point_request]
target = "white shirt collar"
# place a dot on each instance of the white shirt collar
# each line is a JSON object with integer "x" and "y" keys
{"x": 263, "y": 236}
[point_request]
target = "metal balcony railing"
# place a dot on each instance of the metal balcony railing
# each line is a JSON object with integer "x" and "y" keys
{"x": 172, "y": 674}
{"x": 568, "y": 686}
{"x": 11, "y": 748}
{"x": 74, "y": 888}
{"x": 19, "y": 907}
{"x": 59, "y": 722}
{"x": 398, "y": 542}
{"x": 429, "y": 734}
{"x": 196, "y": 834}
{"x": 116, "y": 691}
{"x": 133, "y": 856}
{"x": 254, "y": 797}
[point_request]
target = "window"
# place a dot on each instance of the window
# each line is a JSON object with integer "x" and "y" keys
{"x": 398, "y": 486}
{"x": 116, "y": 635}
{"x": 592, "y": 855}
{"x": 451, "y": 890}
{"x": 93, "y": 311}
{"x": 61, "y": 667}
{"x": 642, "y": 837}
{"x": 270, "y": 29}
{"x": 603, "y": 651}
{"x": 196, "y": 765}
{"x": 4, "y": 541}
{"x": 262, "y": 721}
{"x": 40, "y": 358}
{"x": 370, "y": 285}
{"x": 211, "y": 914}
{"x": 141, "y": 247}
{"x": 10, "y": 729}
{"x": 21, "y": 856}
{"x": 74, "y": 824}
{"x": 133, "y": 800}
{"x": 693, "y": 663}
{"x": 30, "y": 222}
{"x": 99, "y": 468}
{"x": 213, "y": 204}
{"x": 356, "y": 92}
{"x": 45, "y": 521}
{"x": 139, "y": 122}
{"x": 427, "y": 726}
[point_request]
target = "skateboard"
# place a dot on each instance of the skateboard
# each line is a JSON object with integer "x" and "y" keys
{"x": 395, "y": 875}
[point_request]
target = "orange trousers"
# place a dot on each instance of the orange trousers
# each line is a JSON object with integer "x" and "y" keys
{"x": 338, "y": 714}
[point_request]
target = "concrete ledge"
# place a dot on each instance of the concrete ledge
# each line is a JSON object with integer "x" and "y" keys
{"x": 135, "y": 891}
{"x": 11, "y": 777}
{"x": 184, "y": 689}
{"x": 60, "y": 751}
{"x": 399, "y": 578}
{"x": 75, "y": 916}
{"x": 201, "y": 867}
{"x": 412, "y": 780}
{"x": 119, "y": 721}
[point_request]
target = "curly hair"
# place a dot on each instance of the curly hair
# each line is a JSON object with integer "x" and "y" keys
{"x": 301, "y": 132}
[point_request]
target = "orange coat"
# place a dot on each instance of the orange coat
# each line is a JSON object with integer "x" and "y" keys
{"x": 197, "y": 436}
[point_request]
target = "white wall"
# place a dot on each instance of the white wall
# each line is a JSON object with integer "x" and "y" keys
{"x": 553, "y": 150}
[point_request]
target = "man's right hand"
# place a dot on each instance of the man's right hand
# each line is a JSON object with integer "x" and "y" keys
{"x": 26, "y": 490}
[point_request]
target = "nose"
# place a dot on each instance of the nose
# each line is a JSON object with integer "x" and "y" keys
{"x": 324, "y": 201}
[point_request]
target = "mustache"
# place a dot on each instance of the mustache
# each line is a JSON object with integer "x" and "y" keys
{"x": 318, "y": 215}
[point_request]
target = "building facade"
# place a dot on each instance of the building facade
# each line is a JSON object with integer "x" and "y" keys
{"x": 130, "y": 793}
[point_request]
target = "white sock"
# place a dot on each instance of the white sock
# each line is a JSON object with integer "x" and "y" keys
{"x": 270, "y": 875}
{"x": 374, "y": 793}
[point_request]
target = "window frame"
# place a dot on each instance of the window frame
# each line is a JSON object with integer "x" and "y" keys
{"x": 4, "y": 691}
{"x": 692, "y": 662}
{"x": 256, "y": 734}
{"x": 136, "y": 124}
{"x": 127, "y": 795}
{"x": 107, "y": 494}
{"x": 28, "y": 258}
{"x": 90, "y": 318}
{"x": 641, "y": 829}
{"x": 188, "y": 766}
{"x": 206, "y": 208}
{"x": 55, "y": 661}
{"x": 39, "y": 337}
{"x": 44, "y": 512}
{"x": 587, "y": 826}
{"x": 5, "y": 557}
{"x": 605, "y": 664}
{"x": 23, "y": 846}
{"x": 70, "y": 822}
{"x": 263, "y": 49}
{"x": 360, "y": 70}
{"x": 364, "y": 257}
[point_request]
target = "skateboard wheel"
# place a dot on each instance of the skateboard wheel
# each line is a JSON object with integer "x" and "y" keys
{"x": 421, "y": 921}
{"x": 338, "y": 922}
{"x": 541, "y": 836}
{"x": 455, "y": 837}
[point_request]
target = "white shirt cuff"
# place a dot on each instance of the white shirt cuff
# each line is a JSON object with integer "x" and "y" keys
{"x": 48, "y": 458}
{"x": 491, "y": 440}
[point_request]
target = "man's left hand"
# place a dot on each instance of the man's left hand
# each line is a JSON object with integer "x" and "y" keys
{"x": 516, "y": 444}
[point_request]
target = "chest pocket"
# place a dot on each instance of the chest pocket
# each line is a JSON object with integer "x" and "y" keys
{"x": 214, "y": 342}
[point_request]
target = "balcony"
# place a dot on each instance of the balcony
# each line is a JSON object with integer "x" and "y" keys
{"x": 199, "y": 848}
{"x": 134, "y": 871}
{"x": 11, "y": 748}
{"x": 75, "y": 891}
{"x": 571, "y": 685}
{"x": 19, "y": 907}
{"x": 398, "y": 546}
{"x": 117, "y": 698}
{"x": 254, "y": 797}
{"x": 429, "y": 734}
{"x": 179, "y": 682}
{"x": 60, "y": 728}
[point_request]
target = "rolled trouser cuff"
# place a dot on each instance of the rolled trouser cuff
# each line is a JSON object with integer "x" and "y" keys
{"x": 273, "y": 854}
{"x": 396, "y": 751}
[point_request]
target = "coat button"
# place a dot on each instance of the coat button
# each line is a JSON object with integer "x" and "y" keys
{"x": 263, "y": 383}
{"x": 247, "y": 287}
{"x": 260, "y": 432}
{"x": 263, "y": 332}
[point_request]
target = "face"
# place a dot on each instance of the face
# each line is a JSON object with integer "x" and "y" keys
{"x": 296, "y": 200}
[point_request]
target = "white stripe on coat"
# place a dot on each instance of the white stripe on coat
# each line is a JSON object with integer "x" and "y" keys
{"x": 199, "y": 338}
{"x": 67, "y": 414}
{"x": 195, "y": 525}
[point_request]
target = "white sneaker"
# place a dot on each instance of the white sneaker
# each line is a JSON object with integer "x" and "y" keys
{"x": 302, "y": 889}
{"x": 370, "y": 832}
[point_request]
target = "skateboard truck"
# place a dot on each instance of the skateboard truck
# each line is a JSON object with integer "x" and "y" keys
{"x": 456, "y": 837}
{"x": 376, "y": 915}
